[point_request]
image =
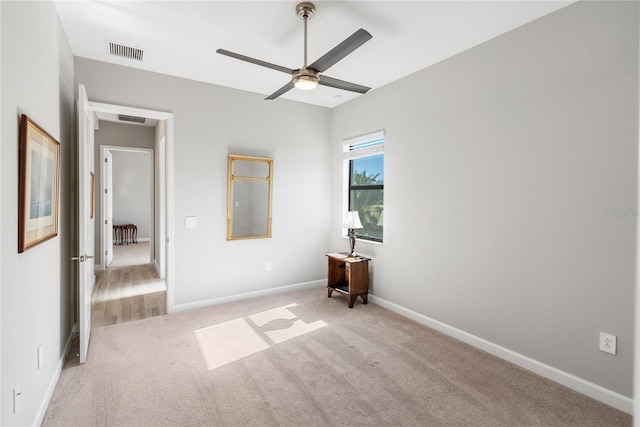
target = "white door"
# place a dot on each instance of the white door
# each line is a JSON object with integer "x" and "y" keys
{"x": 85, "y": 223}
{"x": 108, "y": 207}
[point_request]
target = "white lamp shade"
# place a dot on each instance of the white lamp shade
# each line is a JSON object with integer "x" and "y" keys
{"x": 352, "y": 220}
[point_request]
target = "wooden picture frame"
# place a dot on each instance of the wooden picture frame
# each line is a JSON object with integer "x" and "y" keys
{"x": 39, "y": 185}
{"x": 93, "y": 195}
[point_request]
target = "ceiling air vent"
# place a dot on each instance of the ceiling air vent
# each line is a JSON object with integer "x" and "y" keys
{"x": 124, "y": 51}
{"x": 132, "y": 119}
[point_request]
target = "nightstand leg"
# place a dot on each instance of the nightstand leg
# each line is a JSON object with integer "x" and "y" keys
{"x": 365, "y": 298}
{"x": 329, "y": 292}
{"x": 352, "y": 299}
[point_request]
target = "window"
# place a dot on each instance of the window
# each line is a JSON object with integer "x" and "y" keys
{"x": 364, "y": 182}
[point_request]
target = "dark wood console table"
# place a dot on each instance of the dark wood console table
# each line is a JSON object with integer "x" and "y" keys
{"x": 348, "y": 276}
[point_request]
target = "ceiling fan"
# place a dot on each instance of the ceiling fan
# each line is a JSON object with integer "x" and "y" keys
{"x": 310, "y": 76}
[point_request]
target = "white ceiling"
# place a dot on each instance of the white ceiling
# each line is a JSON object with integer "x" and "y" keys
{"x": 180, "y": 38}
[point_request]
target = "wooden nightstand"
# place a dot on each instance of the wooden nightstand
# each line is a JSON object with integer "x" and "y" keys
{"x": 349, "y": 276}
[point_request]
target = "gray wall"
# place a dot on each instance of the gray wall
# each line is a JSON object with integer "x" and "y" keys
{"x": 119, "y": 135}
{"x": 502, "y": 165}
{"x": 211, "y": 122}
{"x": 37, "y": 292}
{"x": 132, "y": 190}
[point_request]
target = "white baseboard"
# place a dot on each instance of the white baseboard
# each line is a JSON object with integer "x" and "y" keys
{"x": 42, "y": 410}
{"x": 580, "y": 385}
{"x": 237, "y": 297}
{"x": 143, "y": 239}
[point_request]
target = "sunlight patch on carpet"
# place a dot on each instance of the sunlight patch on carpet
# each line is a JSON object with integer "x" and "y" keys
{"x": 264, "y": 317}
{"x": 235, "y": 339}
{"x": 298, "y": 328}
{"x": 227, "y": 342}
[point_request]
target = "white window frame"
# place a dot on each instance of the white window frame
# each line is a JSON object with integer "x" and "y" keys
{"x": 347, "y": 155}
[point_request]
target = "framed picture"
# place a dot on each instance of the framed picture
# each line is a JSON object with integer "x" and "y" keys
{"x": 39, "y": 185}
{"x": 93, "y": 194}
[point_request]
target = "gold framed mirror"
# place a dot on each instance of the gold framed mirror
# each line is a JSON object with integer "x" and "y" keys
{"x": 250, "y": 184}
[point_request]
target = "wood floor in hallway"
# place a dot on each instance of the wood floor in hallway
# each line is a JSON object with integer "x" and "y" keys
{"x": 125, "y": 294}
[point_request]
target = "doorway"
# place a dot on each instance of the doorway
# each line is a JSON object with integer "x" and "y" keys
{"x": 127, "y": 226}
{"x": 160, "y": 202}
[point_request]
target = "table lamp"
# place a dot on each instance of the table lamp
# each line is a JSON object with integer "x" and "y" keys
{"x": 351, "y": 222}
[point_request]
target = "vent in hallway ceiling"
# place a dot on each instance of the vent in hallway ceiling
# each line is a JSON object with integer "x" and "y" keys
{"x": 124, "y": 51}
{"x": 132, "y": 119}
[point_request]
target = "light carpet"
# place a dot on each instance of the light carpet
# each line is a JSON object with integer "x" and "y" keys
{"x": 360, "y": 366}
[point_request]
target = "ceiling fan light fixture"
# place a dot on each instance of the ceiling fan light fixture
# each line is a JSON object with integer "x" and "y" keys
{"x": 305, "y": 81}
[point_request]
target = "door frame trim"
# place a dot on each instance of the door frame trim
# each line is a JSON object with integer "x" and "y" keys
{"x": 169, "y": 181}
{"x": 103, "y": 208}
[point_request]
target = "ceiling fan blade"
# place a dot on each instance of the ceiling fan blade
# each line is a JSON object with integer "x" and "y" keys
{"x": 350, "y": 44}
{"x": 284, "y": 89}
{"x": 255, "y": 61}
{"x": 341, "y": 84}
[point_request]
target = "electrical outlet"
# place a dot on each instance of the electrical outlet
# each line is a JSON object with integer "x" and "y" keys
{"x": 267, "y": 266}
{"x": 608, "y": 343}
{"x": 40, "y": 357}
{"x": 17, "y": 395}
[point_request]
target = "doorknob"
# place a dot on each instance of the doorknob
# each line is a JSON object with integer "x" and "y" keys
{"x": 82, "y": 258}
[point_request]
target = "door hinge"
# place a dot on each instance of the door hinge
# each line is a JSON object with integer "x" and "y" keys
{"x": 105, "y": 160}
{"x": 105, "y": 222}
{"x": 105, "y": 191}
{"x": 105, "y": 252}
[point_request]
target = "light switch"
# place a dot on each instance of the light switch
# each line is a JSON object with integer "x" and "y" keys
{"x": 191, "y": 221}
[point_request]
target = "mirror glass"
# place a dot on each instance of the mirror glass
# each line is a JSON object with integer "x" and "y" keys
{"x": 249, "y": 197}
{"x": 250, "y": 168}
